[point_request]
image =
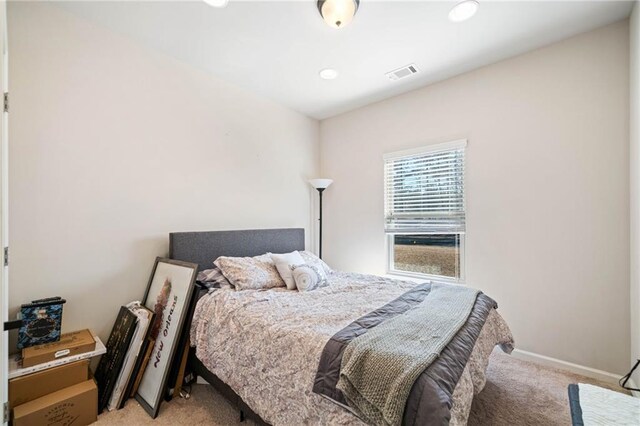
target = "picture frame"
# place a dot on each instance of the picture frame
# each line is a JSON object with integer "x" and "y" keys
{"x": 168, "y": 294}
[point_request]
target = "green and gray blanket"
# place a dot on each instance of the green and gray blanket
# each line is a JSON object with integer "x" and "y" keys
{"x": 379, "y": 367}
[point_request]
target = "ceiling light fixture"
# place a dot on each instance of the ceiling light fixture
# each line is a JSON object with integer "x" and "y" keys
{"x": 463, "y": 10}
{"x": 338, "y": 13}
{"x": 217, "y": 3}
{"x": 328, "y": 74}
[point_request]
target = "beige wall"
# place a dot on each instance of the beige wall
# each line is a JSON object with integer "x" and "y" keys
{"x": 547, "y": 189}
{"x": 634, "y": 30}
{"x": 114, "y": 146}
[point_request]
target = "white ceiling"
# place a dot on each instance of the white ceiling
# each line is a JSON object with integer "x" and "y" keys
{"x": 276, "y": 49}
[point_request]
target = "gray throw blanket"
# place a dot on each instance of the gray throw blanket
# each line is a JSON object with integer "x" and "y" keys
{"x": 380, "y": 367}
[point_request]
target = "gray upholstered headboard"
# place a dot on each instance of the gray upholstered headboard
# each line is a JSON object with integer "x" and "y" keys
{"x": 204, "y": 247}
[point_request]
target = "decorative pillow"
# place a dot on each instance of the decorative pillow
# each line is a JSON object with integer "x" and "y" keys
{"x": 312, "y": 259}
{"x": 283, "y": 263}
{"x": 250, "y": 273}
{"x": 308, "y": 277}
{"x": 213, "y": 278}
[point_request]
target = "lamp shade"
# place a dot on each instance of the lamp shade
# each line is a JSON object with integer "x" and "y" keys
{"x": 320, "y": 183}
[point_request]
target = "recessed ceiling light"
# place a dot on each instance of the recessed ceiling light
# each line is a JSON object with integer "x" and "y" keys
{"x": 217, "y": 3}
{"x": 328, "y": 74}
{"x": 463, "y": 10}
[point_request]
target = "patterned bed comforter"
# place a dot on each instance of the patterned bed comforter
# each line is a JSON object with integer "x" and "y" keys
{"x": 266, "y": 345}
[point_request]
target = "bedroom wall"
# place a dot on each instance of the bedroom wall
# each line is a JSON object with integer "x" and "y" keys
{"x": 547, "y": 189}
{"x": 113, "y": 146}
{"x": 634, "y": 30}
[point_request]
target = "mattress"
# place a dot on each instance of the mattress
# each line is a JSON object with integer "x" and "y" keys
{"x": 267, "y": 344}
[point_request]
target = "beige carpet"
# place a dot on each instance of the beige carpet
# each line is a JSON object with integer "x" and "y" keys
{"x": 517, "y": 393}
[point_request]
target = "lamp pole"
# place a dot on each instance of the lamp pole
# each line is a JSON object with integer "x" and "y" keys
{"x": 320, "y": 185}
{"x": 320, "y": 190}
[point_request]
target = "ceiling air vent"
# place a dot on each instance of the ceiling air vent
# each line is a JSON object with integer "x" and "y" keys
{"x": 402, "y": 72}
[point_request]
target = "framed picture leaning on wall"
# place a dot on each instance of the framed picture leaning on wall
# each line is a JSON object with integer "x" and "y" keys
{"x": 168, "y": 295}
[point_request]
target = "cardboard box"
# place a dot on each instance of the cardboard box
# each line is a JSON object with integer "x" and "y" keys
{"x": 69, "y": 344}
{"x": 27, "y": 388}
{"x": 77, "y": 405}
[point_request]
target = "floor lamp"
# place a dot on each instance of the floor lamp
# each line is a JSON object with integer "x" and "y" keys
{"x": 320, "y": 185}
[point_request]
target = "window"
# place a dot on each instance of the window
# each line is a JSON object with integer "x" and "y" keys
{"x": 425, "y": 211}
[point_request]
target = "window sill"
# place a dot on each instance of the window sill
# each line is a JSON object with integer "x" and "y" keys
{"x": 403, "y": 277}
{"x": 421, "y": 279}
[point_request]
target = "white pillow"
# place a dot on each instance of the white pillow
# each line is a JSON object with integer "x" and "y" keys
{"x": 312, "y": 259}
{"x": 283, "y": 264}
{"x": 308, "y": 277}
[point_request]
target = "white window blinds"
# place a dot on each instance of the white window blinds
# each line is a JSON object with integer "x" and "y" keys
{"x": 424, "y": 190}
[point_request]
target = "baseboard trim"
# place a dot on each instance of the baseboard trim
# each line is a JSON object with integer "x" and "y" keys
{"x": 547, "y": 361}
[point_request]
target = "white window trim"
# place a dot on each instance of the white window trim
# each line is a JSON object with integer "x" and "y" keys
{"x": 390, "y": 270}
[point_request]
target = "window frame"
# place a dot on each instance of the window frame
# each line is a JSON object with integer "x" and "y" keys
{"x": 389, "y": 237}
{"x": 391, "y": 270}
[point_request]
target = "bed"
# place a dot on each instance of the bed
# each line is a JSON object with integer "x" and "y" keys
{"x": 271, "y": 352}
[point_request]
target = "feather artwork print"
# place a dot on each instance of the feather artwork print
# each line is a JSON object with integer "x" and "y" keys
{"x": 161, "y": 304}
